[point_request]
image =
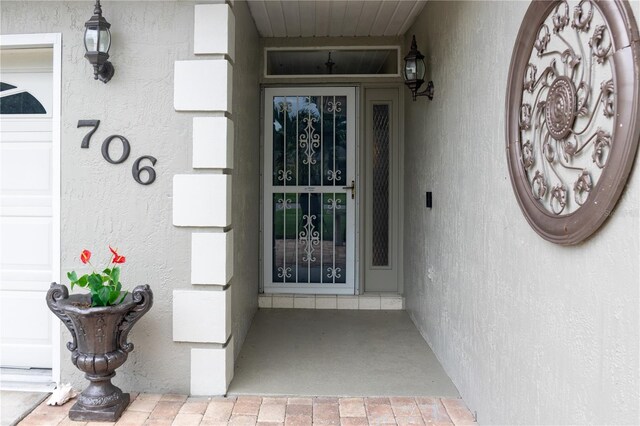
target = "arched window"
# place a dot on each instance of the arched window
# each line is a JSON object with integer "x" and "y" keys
{"x": 6, "y": 86}
{"x": 18, "y": 102}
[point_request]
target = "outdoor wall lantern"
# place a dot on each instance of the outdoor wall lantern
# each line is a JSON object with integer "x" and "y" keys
{"x": 414, "y": 70}
{"x": 97, "y": 41}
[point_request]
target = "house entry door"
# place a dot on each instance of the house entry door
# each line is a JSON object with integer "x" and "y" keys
{"x": 309, "y": 190}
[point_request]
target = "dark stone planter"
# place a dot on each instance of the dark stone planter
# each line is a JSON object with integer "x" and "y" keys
{"x": 99, "y": 346}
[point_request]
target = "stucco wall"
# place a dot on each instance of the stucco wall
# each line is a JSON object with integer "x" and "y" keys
{"x": 246, "y": 174}
{"x": 530, "y": 332}
{"x": 101, "y": 203}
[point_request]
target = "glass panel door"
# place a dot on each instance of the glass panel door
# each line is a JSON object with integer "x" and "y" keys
{"x": 382, "y": 205}
{"x": 309, "y": 190}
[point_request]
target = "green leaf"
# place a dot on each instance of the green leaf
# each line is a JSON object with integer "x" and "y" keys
{"x": 105, "y": 278}
{"x": 73, "y": 277}
{"x": 107, "y": 271}
{"x": 96, "y": 300}
{"x": 104, "y": 295}
{"x": 113, "y": 295}
{"x": 123, "y": 296}
{"x": 95, "y": 282}
{"x": 82, "y": 281}
{"x": 115, "y": 275}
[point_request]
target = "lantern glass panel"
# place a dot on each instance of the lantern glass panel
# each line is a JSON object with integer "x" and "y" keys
{"x": 410, "y": 69}
{"x": 91, "y": 39}
{"x": 420, "y": 69}
{"x": 105, "y": 40}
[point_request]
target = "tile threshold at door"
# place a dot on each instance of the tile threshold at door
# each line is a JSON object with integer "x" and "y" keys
{"x": 178, "y": 410}
{"x": 368, "y": 301}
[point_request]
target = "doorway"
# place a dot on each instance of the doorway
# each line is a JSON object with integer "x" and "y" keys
{"x": 332, "y": 205}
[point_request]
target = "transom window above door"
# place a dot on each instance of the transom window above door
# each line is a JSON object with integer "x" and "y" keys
{"x": 353, "y": 61}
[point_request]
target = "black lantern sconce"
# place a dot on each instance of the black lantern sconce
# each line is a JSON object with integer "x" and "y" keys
{"x": 414, "y": 70}
{"x": 97, "y": 41}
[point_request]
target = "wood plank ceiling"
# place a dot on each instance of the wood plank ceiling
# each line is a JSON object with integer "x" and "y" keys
{"x": 334, "y": 18}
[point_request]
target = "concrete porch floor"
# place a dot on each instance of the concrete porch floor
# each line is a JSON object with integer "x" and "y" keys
{"x": 308, "y": 367}
{"x": 337, "y": 353}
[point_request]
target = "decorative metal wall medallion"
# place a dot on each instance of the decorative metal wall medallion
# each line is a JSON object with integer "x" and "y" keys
{"x": 573, "y": 114}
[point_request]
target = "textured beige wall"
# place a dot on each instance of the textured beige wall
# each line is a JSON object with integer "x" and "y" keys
{"x": 530, "y": 332}
{"x": 101, "y": 203}
{"x": 246, "y": 174}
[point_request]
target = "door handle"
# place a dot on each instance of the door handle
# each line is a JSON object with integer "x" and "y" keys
{"x": 352, "y": 188}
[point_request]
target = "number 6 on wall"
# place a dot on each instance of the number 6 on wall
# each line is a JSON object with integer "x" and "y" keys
{"x": 136, "y": 170}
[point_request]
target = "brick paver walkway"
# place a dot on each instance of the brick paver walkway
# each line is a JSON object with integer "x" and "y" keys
{"x": 180, "y": 410}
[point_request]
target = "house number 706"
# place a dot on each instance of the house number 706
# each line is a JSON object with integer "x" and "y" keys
{"x": 136, "y": 170}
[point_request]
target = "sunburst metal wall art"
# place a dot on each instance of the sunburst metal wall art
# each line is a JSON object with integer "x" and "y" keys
{"x": 573, "y": 114}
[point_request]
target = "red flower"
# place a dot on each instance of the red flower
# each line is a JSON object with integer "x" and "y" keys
{"x": 116, "y": 257}
{"x": 85, "y": 256}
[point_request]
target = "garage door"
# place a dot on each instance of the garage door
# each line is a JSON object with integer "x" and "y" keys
{"x": 26, "y": 206}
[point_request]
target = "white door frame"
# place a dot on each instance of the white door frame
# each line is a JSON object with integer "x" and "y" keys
{"x": 350, "y": 286}
{"x": 53, "y": 40}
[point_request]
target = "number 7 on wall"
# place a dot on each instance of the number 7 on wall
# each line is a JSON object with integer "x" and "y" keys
{"x": 87, "y": 137}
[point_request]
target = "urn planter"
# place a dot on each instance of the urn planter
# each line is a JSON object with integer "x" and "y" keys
{"x": 99, "y": 346}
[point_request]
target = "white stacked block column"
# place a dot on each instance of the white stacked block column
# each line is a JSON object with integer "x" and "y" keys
{"x": 202, "y": 314}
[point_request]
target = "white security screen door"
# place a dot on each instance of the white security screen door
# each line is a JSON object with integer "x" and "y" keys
{"x": 309, "y": 190}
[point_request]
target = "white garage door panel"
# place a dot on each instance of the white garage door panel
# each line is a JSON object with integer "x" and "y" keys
{"x": 38, "y": 207}
{"x": 19, "y": 60}
{"x": 26, "y": 136}
{"x": 26, "y": 168}
{"x": 31, "y": 320}
{"x": 26, "y": 329}
{"x": 18, "y": 280}
{"x": 26, "y": 243}
{"x": 23, "y": 355}
{"x": 19, "y": 125}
